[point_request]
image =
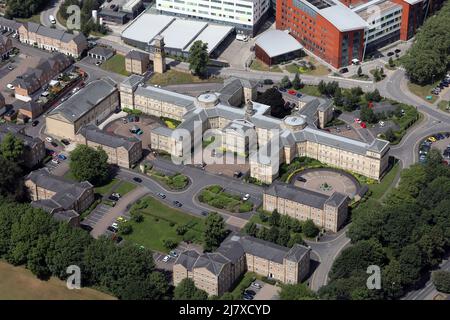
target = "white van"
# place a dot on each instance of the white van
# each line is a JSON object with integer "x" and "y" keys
{"x": 52, "y": 19}
{"x": 241, "y": 37}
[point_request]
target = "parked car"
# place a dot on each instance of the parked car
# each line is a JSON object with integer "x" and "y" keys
{"x": 357, "y": 120}
{"x": 397, "y": 50}
{"x": 35, "y": 123}
{"x": 53, "y": 143}
{"x": 113, "y": 198}
{"x": 292, "y": 92}
{"x": 55, "y": 161}
{"x": 282, "y": 90}
{"x": 115, "y": 225}
{"x": 363, "y": 125}
{"x": 301, "y": 179}
{"x": 298, "y": 95}
{"x": 112, "y": 229}
{"x": 65, "y": 141}
{"x": 161, "y": 195}
{"x": 166, "y": 258}
{"x": 268, "y": 81}
{"x": 61, "y": 156}
{"x": 381, "y": 123}
{"x": 390, "y": 54}
{"x": 11, "y": 67}
{"x": 10, "y": 86}
{"x": 121, "y": 219}
{"x": 173, "y": 254}
{"x": 256, "y": 285}
{"x": 98, "y": 63}
{"x": 205, "y": 213}
{"x": 246, "y": 197}
{"x": 343, "y": 70}
{"x": 139, "y": 180}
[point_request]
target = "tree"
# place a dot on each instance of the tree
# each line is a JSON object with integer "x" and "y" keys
{"x": 359, "y": 71}
{"x": 12, "y": 148}
{"x": 410, "y": 260}
{"x": 274, "y": 218}
{"x": 273, "y": 98}
{"x": 153, "y": 287}
{"x": 338, "y": 99}
{"x": 251, "y": 229}
{"x": 186, "y": 290}
{"x": 309, "y": 229}
{"x": 322, "y": 87}
{"x": 285, "y": 82}
{"x": 89, "y": 164}
{"x": 391, "y": 62}
{"x": 283, "y": 237}
{"x": 367, "y": 114}
{"x": 373, "y": 96}
{"x": 214, "y": 231}
{"x": 125, "y": 228}
{"x": 11, "y": 185}
{"x": 441, "y": 279}
{"x": 296, "y": 238}
{"x": 296, "y": 83}
{"x": 392, "y": 280}
{"x": 297, "y": 291}
{"x": 389, "y": 135}
{"x": 198, "y": 58}
{"x": 272, "y": 234}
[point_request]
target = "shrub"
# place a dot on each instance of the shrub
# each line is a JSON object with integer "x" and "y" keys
{"x": 181, "y": 230}
{"x": 310, "y": 229}
{"x": 170, "y": 243}
{"x": 125, "y": 228}
{"x": 137, "y": 216}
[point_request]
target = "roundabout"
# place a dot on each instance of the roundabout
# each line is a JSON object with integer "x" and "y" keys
{"x": 327, "y": 181}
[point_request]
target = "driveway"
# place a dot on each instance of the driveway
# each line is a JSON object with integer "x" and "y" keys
{"x": 267, "y": 292}
{"x": 107, "y": 218}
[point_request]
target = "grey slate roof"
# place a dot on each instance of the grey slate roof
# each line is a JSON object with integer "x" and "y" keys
{"x": 187, "y": 259}
{"x": 137, "y": 55}
{"x": 163, "y": 131}
{"x": 67, "y": 192}
{"x": 336, "y": 199}
{"x": 214, "y": 262}
{"x": 84, "y": 100}
{"x": 102, "y": 51}
{"x": 166, "y": 96}
{"x": 55, "y": 33}
{"x": 65, "y": 215}
{"x": 11, "y": 24}
{"x": 304, "y": 196}
{"x": 94, "y": 134}
{"x": 132, "y": 81}
{"x": 297, "y": 252}
{"x": 261, "y": 248}
{"x": 18, "y": 131}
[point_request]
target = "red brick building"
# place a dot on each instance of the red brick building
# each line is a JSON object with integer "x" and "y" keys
{"x": 326, "y": 28}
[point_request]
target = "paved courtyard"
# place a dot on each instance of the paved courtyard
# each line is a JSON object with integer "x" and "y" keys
{"x": 327, "y": 181}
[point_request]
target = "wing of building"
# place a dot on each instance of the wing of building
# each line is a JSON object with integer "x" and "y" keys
{"x": 216, "y": 272}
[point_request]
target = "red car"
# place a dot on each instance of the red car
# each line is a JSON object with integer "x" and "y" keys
{"x": 292, "y": 92}
{"x": 363, "y": 125}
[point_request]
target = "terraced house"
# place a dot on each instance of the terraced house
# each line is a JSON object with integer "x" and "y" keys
{"x": 216, "y": 272}
{"x": 34, "y": 79}
{"x": 52, "y": 39}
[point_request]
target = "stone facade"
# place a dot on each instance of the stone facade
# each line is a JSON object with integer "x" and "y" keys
{"x": 137, "y": 62}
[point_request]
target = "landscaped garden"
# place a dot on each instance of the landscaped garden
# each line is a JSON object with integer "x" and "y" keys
{"x": 162, "y": 227}
{"x": 258, "y": 65}
{"x": 175, "y": 181}
{"x": 216, "y": 197}
{"x": 170, "y": 123}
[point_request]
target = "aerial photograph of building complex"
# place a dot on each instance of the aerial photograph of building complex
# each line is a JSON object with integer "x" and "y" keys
{"x": 217, "y": 150}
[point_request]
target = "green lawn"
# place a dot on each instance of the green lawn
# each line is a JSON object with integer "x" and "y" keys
{"x": 217, "y": 198}
{"x": 125, "y": 187}
{"x": 379, "y": 189}
{"x": 106, "y": 189}
{"x": 18, "y": 283}
{"x": 176, "y": 181}
{"x": 423, "y": 91}
{"x": 444, "y": 105}
{"x": 115, "y": 64}
{"x": 34, "y": 18}
{"x": 310, "y": 90}
{"x": 157, "y": 227}
{"x": 177, "y": 77}
{"x": 318, "y": 70}
{"x": 258, "y": 65}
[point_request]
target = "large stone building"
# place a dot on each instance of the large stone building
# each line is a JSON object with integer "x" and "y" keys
{"x": 54, "y": 194}
{"x": 5, "y": 47}
{"x": 137, "y": 62}
{"x": 53, "y": 39}
{"x": 91, "y": 105}
{"x": 121, "y": 151}
{"x": 328, "y": 212}
{"x": 34, "y": 148}
{"x": 278, "y": 140}
{"x": 218, "y": 271}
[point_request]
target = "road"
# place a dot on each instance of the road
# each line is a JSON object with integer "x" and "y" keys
{"x": 51, "y": 10}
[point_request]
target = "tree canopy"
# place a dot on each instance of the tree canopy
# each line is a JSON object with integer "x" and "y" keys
{"x": 186, "y": 290}
{"x": 214, "y": 231}
{"x": 89, "y": 164}
{"x": 198, "y": 58}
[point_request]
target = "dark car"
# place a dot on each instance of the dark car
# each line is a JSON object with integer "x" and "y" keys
{"x": 35, "y": 123}
{"x": 301, "y": 179}
{"x": 65, "y": 141}
{"x": 139, "y": 180}
{"x": 161, "y": 195}
{"x": 397, "y": 50}
{"x": 343, "y": 70}
{"x": 86, "y": 227}
{"x": 53, "y": 143}
{"x": 177, "y": 203}
{"x": 249, "y": 292}
{"x": 268, "y": 81}
{"x": 282, "y": 89}
{"x": 205, "y": 213}
{"x": 113, "y": 198}
{"x": 112, "y": 229}
{"x": 390, "y": 54}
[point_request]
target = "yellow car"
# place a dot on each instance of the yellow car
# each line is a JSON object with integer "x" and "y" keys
{"x": 121, "y": 219}
{"x": 432, "y": 139}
